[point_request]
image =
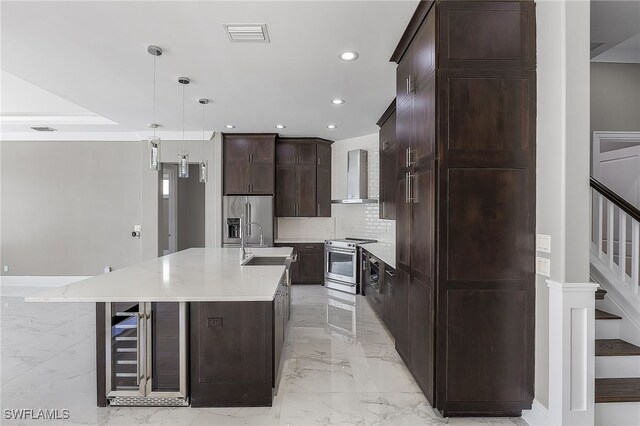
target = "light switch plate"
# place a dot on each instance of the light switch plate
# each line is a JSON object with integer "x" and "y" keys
{"x": 6, "y": 268}
{"x": 543, "y": 243}
{"x": 137, "y": 228}
{"x": 543, "y": 266}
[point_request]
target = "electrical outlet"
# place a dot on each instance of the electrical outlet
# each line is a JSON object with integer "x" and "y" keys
{"x": 5, "y": 268}
{"x": 543, "y": 266}
{"x": 543, "y": 243}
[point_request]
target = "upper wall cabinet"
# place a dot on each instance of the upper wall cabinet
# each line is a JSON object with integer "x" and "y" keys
{"x": 303, "y": 177}
{"x": 487, "y": 35}
{"x": 249, "y": 163}
{"x": 388, "y": 170}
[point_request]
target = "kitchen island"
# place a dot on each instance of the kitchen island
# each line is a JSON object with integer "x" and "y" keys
{"x": 195, "y": 327}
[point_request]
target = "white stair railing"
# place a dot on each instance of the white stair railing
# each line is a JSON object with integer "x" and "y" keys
{"x": 615, "y": 238}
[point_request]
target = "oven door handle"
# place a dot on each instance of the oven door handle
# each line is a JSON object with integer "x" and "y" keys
{"x": 342, "y": 251}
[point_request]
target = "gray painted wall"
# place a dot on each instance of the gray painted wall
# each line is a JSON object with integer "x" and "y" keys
{"x": 615, "y": 96}
{"x": 68, "y": 208}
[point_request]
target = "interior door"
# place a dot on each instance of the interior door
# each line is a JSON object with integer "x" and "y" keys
{"x": 168, "y": 229}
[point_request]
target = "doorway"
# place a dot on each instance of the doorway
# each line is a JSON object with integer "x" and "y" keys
{"x": 181, "y": 210}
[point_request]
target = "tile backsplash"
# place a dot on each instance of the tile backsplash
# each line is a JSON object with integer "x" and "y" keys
{"x": 347, "y": 220}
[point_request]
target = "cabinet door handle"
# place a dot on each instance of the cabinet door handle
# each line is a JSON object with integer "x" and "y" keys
{"x": 410, "y": 85}
{"x": 391, "y": 274}
{"x": 406, "y": 188}
{"x": 308, "y": 247}
{"x": 318, "y": 211}
{"x": 411, "y": 198}
{"x": 409, "y": 157}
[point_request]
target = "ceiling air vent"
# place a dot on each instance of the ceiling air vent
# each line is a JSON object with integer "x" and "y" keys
{"x": 44, "y": 129}
{"x": 247, "y": 33}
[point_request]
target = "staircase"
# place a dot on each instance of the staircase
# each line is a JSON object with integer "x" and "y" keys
{"x": 615, "y": 266}
{"x": 617, "y": 392}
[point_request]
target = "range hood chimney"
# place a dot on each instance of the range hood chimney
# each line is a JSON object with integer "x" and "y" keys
{"x": 357, "y": 179}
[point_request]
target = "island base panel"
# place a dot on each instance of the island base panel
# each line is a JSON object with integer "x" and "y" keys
{"x": 231, "y": 354}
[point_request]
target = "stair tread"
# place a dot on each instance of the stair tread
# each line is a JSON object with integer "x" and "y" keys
{"x": 602, "y": 315}
{"x": 600, "y": 293}
{"x": 616, "y": 347}
{"x": 618, "y": 390}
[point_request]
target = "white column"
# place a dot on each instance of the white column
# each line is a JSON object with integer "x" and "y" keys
{"x": 571, "y": 353}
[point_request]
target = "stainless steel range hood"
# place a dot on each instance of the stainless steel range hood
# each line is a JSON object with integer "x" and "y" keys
{"x": 357, "y": 179}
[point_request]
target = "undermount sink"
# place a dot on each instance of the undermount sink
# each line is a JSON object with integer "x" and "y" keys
{"x": 266, "y": 260}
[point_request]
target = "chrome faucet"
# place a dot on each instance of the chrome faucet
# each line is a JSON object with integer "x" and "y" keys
{"x": 243, "y": 243}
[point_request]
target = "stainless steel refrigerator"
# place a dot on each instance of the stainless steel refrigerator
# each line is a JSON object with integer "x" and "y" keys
{"x": 256, "y": 212}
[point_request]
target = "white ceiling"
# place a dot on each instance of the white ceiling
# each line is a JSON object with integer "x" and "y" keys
{"x": 93, "y": 55}
{"x": 626, "y": 52}
{"x": 612, "y": 23}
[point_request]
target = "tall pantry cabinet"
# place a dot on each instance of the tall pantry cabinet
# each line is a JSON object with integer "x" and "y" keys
{"x": 465, "y": 203}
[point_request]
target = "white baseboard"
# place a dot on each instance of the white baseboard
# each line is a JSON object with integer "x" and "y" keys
{"x": 39, "y": 281}
{"x": 537, "y": 416}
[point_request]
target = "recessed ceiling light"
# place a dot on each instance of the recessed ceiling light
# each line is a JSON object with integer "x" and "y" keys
{"x": 337, "y": 101}
{"x": 230, "y": 126}
{"x": 331, "y": 126}
{"x": 280, "y": 126}
{"x": 349, "y": 55}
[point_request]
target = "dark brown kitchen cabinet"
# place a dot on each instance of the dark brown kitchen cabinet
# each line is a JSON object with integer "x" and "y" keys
{"x": 401, "y": 306}
{"x": 388, "y": 161}
{"x": 248, "y": 163}
{"x": 465, "y": 204}
{"x": 323, "y": 179}
{"x": 279, "y": 325}
{"x": 231, "y": 355}
{"x": 309, "y": 267}
{"x": 303, "y": 174}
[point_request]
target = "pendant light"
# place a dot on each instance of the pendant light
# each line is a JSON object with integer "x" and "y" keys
{"x": 204, "y": 164}
{"x": 154, "y": 141}
{"x": 183, "y": 156}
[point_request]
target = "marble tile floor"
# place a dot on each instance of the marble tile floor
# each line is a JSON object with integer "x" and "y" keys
{"x": 340, "y": 368}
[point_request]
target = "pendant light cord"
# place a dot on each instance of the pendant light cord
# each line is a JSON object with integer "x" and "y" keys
{"x": 154, "y": 95}
{"x": 183, "y": 144}
{"x": 202, "y": 132}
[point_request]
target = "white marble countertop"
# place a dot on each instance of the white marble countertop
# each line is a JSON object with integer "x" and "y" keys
{"x": 383, "y": 250}
{"x": 300, "y": 240}
{"x": 193, "y": 275}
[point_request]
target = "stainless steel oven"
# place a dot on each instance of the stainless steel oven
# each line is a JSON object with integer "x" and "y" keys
{"x": 341, "y": 264}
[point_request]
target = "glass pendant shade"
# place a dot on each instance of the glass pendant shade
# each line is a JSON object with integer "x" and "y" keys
{"x": 204, "y": 171}
{"x": 183, "y": 165}
{"x": 154, "y": 153}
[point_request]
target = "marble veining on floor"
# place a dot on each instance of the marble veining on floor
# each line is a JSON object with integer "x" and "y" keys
{"x": 340, "y": 368}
